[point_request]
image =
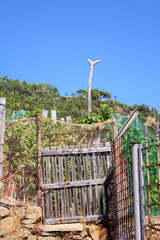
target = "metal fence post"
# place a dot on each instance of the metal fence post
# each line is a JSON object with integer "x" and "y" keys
{"x": 136, "y": 191}
{"x": 2, "y": 127}
{"x": 142, "y": 197}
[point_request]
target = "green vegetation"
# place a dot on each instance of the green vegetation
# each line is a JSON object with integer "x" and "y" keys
{"x": 29, "y": 97}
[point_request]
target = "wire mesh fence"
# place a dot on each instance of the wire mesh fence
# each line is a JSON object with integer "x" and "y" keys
{"x": 20, "y": 149}
{"x": 20, "y": 159}
{"x": 120, "y": 202}
{"x": 151, "y": 170}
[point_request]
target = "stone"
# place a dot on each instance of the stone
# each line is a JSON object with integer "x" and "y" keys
{"x": 34, "y": 212}
{"x": 73, "y": 227}
{"x": 88, "y": 238}
{"x": 44, "y": 234}
{"x": 20, "y": 212}
{"x": 12, "y": 237}
{"x": 46, "y": 238}
{"x": 4, "y": 211}
{"x": 24, "y": 233}
{"x": 93, "y": 231}
{"x": 29, "y": 221}
{"x": 84, "y": 232}
{"x": 7, "y": 225}
{"x": 77, "y": 237}
{"x": 1, "y": 189}
{"x": 32, "y": 237}
{"x": 29, "y": 226}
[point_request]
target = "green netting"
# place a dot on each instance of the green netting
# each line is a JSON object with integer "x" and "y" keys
{"x": 17, "y": 115}
{"x": 136, "y": 130}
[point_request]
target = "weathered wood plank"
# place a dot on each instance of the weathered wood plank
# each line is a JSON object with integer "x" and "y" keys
{"x": 69, "y": 191}
{"x": 93, "y": 189}
{"x": 43, "y": 170}
{"x": 81, "y": 189}
{"x": 55, "y": 180}
{"x": 99, "y": 190}
{"x": 75, "y": 219}
{"x": 75, "y": 193}
{"x": 74, "y": 151}
{"x": 74, "y": 184}
{"x": 86, "y": 177}
{"x": 61, "y": 176}
{"x": 48, "y": 181}
{"x": 104, "y": 167}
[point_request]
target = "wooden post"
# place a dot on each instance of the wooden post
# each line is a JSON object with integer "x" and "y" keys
{"x": 89, "y": 82}
{"x": 2, "y": 127}
{"x": 45, "y": 113}
{"x": 68, "y": 119}
{"x": 39, "y": 165}
{"x": 53, "y": 115}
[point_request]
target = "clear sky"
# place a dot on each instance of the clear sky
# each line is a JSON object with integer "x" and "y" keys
{"x": 51, "y": 40}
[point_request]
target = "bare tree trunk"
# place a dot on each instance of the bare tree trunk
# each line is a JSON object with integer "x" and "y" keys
{"x": 89, "y": 82}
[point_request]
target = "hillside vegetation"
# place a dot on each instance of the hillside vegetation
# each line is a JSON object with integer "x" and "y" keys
{"x": 21, "y": 95}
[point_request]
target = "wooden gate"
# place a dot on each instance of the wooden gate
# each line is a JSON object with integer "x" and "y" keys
{"x": 73, "y": 183}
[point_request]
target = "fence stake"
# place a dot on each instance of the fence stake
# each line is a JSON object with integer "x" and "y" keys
{"x": 142, "y": 197}
{"x": 39, "y": 160}
{"x": 2, "y": 127}
{"x": 136, "y": 191}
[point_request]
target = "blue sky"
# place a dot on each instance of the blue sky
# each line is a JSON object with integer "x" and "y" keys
{"x": 51, "y": 40}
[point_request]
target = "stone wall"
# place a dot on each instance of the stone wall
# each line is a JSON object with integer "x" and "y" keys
{"x": 20, "y": 222}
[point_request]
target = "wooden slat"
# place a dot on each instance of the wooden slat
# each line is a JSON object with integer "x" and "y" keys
{"x": 104, "y": 168}
{"x": 99, "y": 188}
{"x": 69, "y": 191}
{"x": 43, "y": 192}
{"x": 75, "y": 193}
{"x": 86, "y": 177}
{"x": 55, "y": 180}
{"x": 61, "y": 176}
{"x": 74, "y": 151}
{"x": 81, "y": 189}
{"x": 75, "y": 219}
{"x": 74, "y": 184}
{"x": 49, "y": 194}
{"x": 93, "y": 190}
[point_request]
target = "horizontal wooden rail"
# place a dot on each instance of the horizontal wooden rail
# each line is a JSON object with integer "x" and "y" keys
{"x": 74, "y": 184}
{"x": 74, "y": 151}
{"x": 75, "y": 219}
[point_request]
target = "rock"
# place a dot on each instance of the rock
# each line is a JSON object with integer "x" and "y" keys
{"x": 29, "y": 226}
{"x": 46, "y": 238}
{"x": 88, "y": 238}
{"x": 34, "y": 212}
{"x": 84, "y": 232}
{"x": 44, "y": 234}
{"x": 24, "y": 233}
{"x": 32, "y": 237}
{"x": 4, "y": 211}
{"x": 93, "y": 231}
{"x": 7, "y": 225}
{"x": 20, "y": 212}
{"x": 12, "y": 237}
{"x": 75, "y": 227}
{"x": 77, "y": 237}
{"x": 1, "y": 189}
{"x": 9, "y": 200}
{"x": 29, "y": 221}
